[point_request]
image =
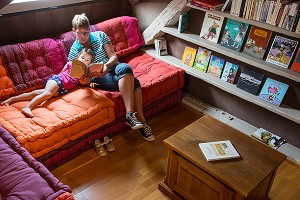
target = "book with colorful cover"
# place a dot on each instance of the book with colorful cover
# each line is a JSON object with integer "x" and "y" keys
{"x": 282, "y": 51}
{"x": 189, "y": 55}
{"x": 218, "y": 150}
{"x": 202, "y": 59}
{"x": 273, "y": 91}
{"x": 250, "y": 81}
{"x": 211, "y": 27}
{"x": 229, "y": 72}
{"x": 234, "y": 34}
{"x": 268, "y": 138}
{"x": 257, "y": 42}
{"x": 296, "y": 63}
{"x": 215, "y": 66}
{"x": 183, "y": 22}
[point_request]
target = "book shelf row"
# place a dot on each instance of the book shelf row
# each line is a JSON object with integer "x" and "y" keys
{"x": 283, "y": 110}
{"x": 262, "y": 64}
{"x": 227, "y": 14}
{"x": 280, "y": 13}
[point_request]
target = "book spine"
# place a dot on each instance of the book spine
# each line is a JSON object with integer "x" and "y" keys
{"x": 296, "y": 20}
{"x": 298, "y": 28}
{"x": 232, "y": 10}
{"x": 283, "y": 15}
{"x": 246, "y": 8}
{"x": 281, "y": 10}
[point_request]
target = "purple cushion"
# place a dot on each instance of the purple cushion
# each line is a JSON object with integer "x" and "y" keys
{"x": 23, "y": 177}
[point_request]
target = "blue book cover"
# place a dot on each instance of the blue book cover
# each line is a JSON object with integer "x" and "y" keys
{"x": 273, "y": 91}
{"x": 234, "y": 34}
{"x": 229, "y": 72}
{"x": 215, "y": 66}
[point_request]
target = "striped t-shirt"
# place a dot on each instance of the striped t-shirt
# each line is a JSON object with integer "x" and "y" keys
{"x": 98, "y": 39}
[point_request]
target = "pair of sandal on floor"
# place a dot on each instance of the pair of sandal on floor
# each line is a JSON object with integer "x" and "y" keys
{"x": 100, "y": 146}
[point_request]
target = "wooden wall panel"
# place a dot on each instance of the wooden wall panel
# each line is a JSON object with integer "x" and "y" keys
{"x": 21, "y": 27}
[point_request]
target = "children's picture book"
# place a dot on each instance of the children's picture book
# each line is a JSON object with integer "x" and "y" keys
{"x": 257, "y": 42}
{"x": 215, "y": 66}
{"x": 229, "y": 72}
{"x": 202, "y": 59}
{"x": 183, "y": 22}
{"x": 273, "y": 91}
{"x": 79, "y": 69}
{"x": 189, "y": 55}
{"x": 218, "y": 150}
{"x": 296, "y": 63}
{"x": 234, "y": 34}
{"x": 250, "y": 81}
{"x": 161, "y": 46}
{"x": 211, "y": 27}
{"x": 281, "y": 51}
{"x": 268, "y": 138}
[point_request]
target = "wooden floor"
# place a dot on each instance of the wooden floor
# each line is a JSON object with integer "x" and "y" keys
{"x": 134, "y": 169}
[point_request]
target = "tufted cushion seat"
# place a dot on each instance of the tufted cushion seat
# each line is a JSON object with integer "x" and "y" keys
{"x": 58, "y": 120}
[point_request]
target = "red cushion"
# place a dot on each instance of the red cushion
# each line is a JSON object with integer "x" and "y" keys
{"x": 156, "y": 77}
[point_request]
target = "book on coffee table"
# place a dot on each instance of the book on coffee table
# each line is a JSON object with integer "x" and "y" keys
{"x": 218, "y": 150}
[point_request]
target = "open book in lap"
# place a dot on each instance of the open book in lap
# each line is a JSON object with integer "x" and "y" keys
{"x": 79, "y": 68}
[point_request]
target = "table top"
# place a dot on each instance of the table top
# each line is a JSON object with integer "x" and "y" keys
{"x": 242, "y": 174}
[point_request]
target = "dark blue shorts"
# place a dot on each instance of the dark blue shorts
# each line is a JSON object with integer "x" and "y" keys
{"x": 61, "y": 90}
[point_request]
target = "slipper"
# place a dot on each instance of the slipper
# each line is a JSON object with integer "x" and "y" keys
{"x": 99, "y": 148}
{"x": 109, "y": 145}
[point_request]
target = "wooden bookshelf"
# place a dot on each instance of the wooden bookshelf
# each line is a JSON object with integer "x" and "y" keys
{"x": 283, "y": 110}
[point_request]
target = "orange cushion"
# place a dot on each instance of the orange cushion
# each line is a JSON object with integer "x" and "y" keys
{"x": 57, "y": 120}
{"x": 6, "y": 85}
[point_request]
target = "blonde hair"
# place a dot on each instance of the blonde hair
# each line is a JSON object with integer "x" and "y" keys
{"x": 89, "y": 51}
{"x": 80, "y": 21}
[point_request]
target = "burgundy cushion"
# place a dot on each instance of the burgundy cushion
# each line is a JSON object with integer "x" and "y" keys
{"x": 29, "y": 64}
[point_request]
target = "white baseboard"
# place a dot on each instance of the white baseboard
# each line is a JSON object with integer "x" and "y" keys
{"x": 292, "y": 152}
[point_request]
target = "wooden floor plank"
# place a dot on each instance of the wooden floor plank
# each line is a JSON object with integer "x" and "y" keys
{"x": 135, "y": 168}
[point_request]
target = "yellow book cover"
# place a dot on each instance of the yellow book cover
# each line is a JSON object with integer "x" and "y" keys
{"x": 189, "y": 55}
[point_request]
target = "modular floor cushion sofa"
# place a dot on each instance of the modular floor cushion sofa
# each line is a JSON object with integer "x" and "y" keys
{"x": 65, "y": 126}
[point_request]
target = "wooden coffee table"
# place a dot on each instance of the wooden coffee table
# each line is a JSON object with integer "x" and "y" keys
{"x": 190, "y": 176}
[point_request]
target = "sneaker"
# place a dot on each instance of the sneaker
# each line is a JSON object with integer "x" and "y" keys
{"x": 132, "y": 121}
{"x": 146, "y": 133}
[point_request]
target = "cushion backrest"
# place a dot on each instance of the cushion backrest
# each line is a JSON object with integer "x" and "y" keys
{"x": 124, "y": 33}
{"x": 26, "y": 66}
